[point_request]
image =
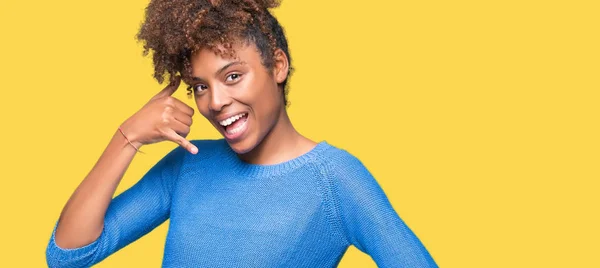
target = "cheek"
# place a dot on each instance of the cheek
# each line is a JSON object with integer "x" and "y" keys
{"x": 202, "y": 107}
{"x": 269, "y": 93}
{"x": 265, "y": 99}
{"x": 268, "y": 105}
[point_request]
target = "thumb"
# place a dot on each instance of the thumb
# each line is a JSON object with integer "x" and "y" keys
{"x": 169, "y": 89}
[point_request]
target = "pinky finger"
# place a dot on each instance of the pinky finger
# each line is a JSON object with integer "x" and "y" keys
{"x": 173, "y": 136}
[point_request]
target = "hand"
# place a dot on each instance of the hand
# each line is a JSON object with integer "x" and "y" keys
{"x": 163, "y": 118}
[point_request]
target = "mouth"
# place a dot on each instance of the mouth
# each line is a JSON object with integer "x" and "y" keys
{"x": 234, "y": 127}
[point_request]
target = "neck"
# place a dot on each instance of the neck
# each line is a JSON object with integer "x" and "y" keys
{"x": 281, "y": 144}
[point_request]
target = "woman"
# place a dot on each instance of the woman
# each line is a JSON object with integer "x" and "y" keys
{"x": 264, "y": 196}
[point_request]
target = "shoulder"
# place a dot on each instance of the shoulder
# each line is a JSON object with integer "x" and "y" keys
{"x": 340, "y": 161}
{"x": 209, "y": 147}
{"x": 350, "y": 188}
{"x": 179, "y": 156}
{"x": 348, "y": 175}
{"x": 209, "y": 144}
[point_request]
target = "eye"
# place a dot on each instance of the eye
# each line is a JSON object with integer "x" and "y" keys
{"x": 198, "y": 88}
{"x": 233, "y": 77}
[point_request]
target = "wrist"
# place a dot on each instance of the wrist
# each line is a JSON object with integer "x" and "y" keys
{"x": 129, "y": 137}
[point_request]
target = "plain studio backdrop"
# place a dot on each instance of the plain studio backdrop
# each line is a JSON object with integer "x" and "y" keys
{"x": 479, "y": 119}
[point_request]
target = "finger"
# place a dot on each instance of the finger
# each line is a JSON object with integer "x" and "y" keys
{"x": 180, "y": 105}
{"x": 173, "y": 136}
{"x": 180, "y": 128}
{"x": 169, "y": 89}
{"x": 182, "y": 117}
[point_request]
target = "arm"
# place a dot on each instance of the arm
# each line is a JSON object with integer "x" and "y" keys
{"x": 93, "y": 225}
{"x": 370, "y": 222}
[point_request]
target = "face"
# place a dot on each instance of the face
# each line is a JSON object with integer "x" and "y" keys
{"x": 239, "y": 96}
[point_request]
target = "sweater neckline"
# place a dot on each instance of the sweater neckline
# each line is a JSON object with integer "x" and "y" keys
{"x": 259, "y": 170}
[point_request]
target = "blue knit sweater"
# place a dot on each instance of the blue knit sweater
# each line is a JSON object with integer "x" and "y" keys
{"x": 224, "y": 212}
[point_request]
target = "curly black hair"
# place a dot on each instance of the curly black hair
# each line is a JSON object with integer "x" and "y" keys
{"x": 174, "y": 29}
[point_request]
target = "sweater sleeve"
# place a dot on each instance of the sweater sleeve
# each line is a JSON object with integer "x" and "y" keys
{"x": 129, "y": 216}
{"x": 370, "y": 222}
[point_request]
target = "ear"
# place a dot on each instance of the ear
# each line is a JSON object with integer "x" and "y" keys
{"x": 281, "y": 66}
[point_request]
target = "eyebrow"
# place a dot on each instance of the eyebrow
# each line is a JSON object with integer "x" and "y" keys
{"x": 221, "y": 69}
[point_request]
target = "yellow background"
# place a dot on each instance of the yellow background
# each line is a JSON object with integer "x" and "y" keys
{"x": 478, "y": 118}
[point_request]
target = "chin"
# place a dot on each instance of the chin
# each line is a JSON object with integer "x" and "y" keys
{"x": 244, "y": 146}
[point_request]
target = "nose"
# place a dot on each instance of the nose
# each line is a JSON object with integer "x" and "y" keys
{"x": 218, "y": 99}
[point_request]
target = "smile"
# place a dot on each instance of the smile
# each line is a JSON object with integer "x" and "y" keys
{"x": 235, "y": 126}
{"x": 232, "y": 119}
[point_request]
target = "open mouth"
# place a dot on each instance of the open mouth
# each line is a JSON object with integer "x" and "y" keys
{"x": 234, "y": 126}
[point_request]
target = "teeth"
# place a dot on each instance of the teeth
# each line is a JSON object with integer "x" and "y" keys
{"x": 236, "y": 130}
{"x": 230, "y": 120}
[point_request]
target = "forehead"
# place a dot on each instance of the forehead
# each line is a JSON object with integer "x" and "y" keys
{"x": 207, "y": 61}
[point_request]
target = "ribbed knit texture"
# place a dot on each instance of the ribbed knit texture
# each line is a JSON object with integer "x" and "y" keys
{"x": 224, "y": 212}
